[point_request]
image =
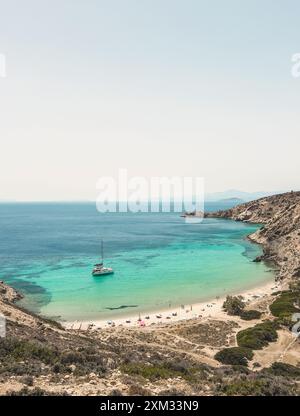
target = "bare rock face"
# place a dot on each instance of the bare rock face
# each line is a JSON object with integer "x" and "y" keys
{"x": 280, "y": 233}
{"x": 8, "y": 294}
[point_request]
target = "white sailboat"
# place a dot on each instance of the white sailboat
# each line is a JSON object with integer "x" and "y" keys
{"x": 99, "y": 269}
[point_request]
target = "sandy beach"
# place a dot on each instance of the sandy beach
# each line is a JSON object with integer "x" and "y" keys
{"x": 211, "y": 308}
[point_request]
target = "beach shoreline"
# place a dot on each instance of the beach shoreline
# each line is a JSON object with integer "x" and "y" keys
{"x": 210, "y": 308}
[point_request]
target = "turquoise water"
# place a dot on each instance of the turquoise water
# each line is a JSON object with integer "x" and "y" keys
{"x": 48, "y": 250}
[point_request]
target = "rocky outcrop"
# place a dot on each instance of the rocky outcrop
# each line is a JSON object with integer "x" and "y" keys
{"x": 8, "y": 294}
{"x": 280, "y": 231}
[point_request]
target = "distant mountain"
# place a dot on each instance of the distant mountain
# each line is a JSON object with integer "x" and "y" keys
{"x": 236, "y": 200}
{"x": 234, "y": 194}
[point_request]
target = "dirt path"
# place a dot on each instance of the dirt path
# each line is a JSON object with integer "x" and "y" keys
{"x": 285, "y": 349}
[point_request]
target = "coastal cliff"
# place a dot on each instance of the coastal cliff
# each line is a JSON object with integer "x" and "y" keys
{"x": 280, "y": 231}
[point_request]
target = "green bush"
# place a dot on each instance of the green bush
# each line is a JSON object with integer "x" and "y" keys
{"x": 258, "y": 336}
{"x": 165, "y": 370}
{"x": 249, "y": 315}
{"x": 234, "y": 305}
{"x": 234, "y": 356}
{"x": 22, "y": 357}
{"x": 14, "y": 349}
{"x": 260, "y": 386}
{"x": 240, "y": 369}
{"x": 284, "y": 304}
{"x": 285, "y": 370}
{"x": 25, "y": 391}
{"x": 150, "y": 372}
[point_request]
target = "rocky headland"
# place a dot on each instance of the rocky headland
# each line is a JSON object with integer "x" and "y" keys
{"x": 280, "y": 231}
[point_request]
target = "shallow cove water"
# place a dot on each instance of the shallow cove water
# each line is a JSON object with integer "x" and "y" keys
{"x": 48, "y": 251}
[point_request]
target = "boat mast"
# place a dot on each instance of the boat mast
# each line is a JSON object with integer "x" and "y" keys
{"x": 102, "y": 251}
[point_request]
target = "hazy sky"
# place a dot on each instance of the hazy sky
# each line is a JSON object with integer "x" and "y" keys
{"x": 160, "y": 87}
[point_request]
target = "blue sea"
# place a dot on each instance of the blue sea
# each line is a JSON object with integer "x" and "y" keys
{"x": 48, "y": 251}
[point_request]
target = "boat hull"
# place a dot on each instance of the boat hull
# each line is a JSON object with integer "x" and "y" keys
{"x": 102, "y": 273}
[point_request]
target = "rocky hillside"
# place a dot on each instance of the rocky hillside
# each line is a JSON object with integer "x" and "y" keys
{"x": 280, "y": 231}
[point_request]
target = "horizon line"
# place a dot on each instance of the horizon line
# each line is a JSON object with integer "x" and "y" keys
{"x": 85, "y": 201}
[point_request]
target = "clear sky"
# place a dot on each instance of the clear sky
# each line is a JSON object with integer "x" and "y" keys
{"x": 160, "y": 87}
